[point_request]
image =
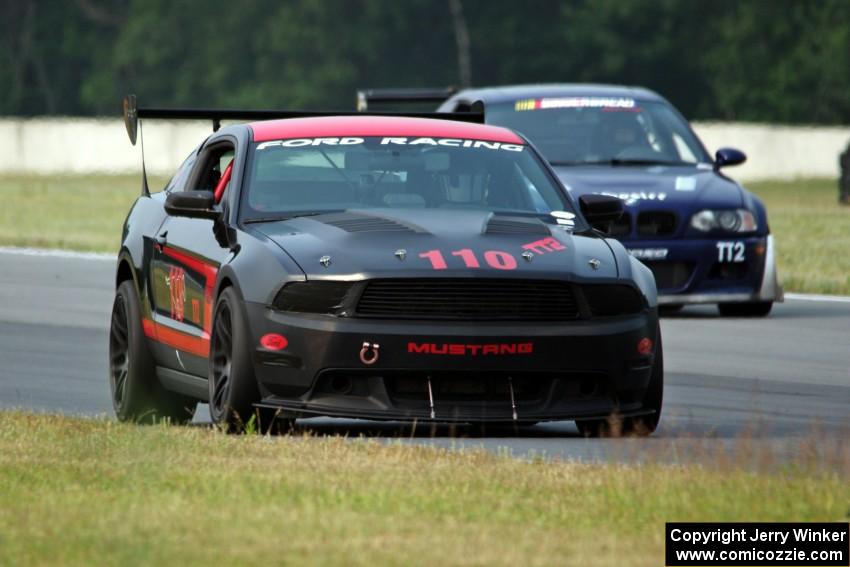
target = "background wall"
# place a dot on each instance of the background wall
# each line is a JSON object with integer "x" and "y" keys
{"x": 100, "y": 145}
{"x": 778, "y": 151}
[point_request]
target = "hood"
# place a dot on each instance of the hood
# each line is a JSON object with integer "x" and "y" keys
{"x": 655, "y": 187}
{"x": 361, "y": 244}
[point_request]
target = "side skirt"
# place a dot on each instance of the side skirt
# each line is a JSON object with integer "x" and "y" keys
{"x": 183, "y": 383}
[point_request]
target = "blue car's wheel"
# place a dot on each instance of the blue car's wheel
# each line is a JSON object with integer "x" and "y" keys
{"x": 753, "y": 309}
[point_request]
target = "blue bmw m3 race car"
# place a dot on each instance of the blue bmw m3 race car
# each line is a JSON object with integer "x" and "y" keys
{"x": 704, "y": 236}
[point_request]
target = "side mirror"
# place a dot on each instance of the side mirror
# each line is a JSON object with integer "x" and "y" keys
{"x": 192, "y": 204}
{"x": 728, "y": 156}
{"x": 600, "y": 209}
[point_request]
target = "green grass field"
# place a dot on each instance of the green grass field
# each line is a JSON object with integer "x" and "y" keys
{"x": 85, "y": 213}
{"x": 95, "y": 492}
{"x": 812, "y": 234}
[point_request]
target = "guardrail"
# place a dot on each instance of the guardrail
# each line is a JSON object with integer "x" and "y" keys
{"x": 99, "y": 145}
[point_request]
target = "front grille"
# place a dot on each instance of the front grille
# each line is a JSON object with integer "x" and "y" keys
{"x": 620, "y": 227}
{"x": 470, "y": 299}
{"x": 671, "y": 275}
{"x": 656, "y": 223}
{"x": 733, "y": 271}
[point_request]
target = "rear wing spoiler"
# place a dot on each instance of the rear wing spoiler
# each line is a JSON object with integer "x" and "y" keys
{"x": 366, "y": 96}
{"x": 132, "y": 114}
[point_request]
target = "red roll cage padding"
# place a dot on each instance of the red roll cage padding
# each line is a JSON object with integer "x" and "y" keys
{"x": 222, "y": 183}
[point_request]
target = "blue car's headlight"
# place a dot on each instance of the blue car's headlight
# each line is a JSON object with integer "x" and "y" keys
{"x": 729, "y": 220}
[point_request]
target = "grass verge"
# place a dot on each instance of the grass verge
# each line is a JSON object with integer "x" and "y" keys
{"x": 86, "y": 213}
{"x": 83, "y": 212}
{"x": 76, "y": 491}
{"x": 812, "y": 233}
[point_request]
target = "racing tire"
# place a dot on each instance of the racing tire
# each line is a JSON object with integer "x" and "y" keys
{"x": 232, "y": 383}
{"x": 639, "y": 426}
{"x": 670, "y": 309}
{"x": 752, "y": 309}
{"x": 136, "y": 393}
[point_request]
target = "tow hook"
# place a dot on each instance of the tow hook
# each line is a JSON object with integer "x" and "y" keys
{"x": 369, "y": 353}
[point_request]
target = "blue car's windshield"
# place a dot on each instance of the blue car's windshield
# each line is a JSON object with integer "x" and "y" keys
{"x": 574, "y": 130}
{"x": 310, "y": 176}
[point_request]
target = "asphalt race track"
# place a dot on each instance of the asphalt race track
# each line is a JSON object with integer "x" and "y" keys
{"x": 775, "y": 382}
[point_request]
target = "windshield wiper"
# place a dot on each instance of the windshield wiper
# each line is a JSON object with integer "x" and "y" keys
{"x": 289, "y": 217}
{"x": 620, "y": 161}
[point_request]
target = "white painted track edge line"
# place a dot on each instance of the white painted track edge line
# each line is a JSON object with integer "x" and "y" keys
{"x": 818, "y": 297}
{"x": 54, "y": 253}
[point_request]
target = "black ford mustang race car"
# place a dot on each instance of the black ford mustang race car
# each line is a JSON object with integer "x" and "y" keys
{"x": 381, "y": 267}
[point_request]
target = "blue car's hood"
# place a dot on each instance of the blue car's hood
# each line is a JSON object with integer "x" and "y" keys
{"x": 680, "y": 188}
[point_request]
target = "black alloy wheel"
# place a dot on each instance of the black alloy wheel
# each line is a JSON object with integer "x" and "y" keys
{"x": 232, "y": 382}
{"x": 119, "y": 355}
{"x": 221, "y": 360}
{"x": 136, "y": 392}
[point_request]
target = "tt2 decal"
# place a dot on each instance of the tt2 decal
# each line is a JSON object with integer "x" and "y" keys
{"x": 730, "y": 252}
{"x": 544, "y": 246}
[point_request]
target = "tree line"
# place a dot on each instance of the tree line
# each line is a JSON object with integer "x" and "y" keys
{"x": 751, "y": 60}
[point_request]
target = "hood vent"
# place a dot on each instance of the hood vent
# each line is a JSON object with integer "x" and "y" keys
{"x": 353, "y": 222}
{"x": 514, "y": 225}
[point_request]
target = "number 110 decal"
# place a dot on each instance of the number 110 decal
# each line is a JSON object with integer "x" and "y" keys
{"x": 730, "y": 252}
{"x": 493, "y": 258}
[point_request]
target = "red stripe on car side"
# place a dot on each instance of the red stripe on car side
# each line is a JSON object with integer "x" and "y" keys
{"x": 199, "y": 346}
{"x": 149, "y": 328}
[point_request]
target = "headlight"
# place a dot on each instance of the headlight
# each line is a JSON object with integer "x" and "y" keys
{"x": 607, "y": 300}
{"x": 730, "y": 220}
{"x": 326, "y": 297}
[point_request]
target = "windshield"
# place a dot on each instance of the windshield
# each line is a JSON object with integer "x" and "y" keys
{"x": 310, "y": 176}
{"x": 602, "y": 130}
